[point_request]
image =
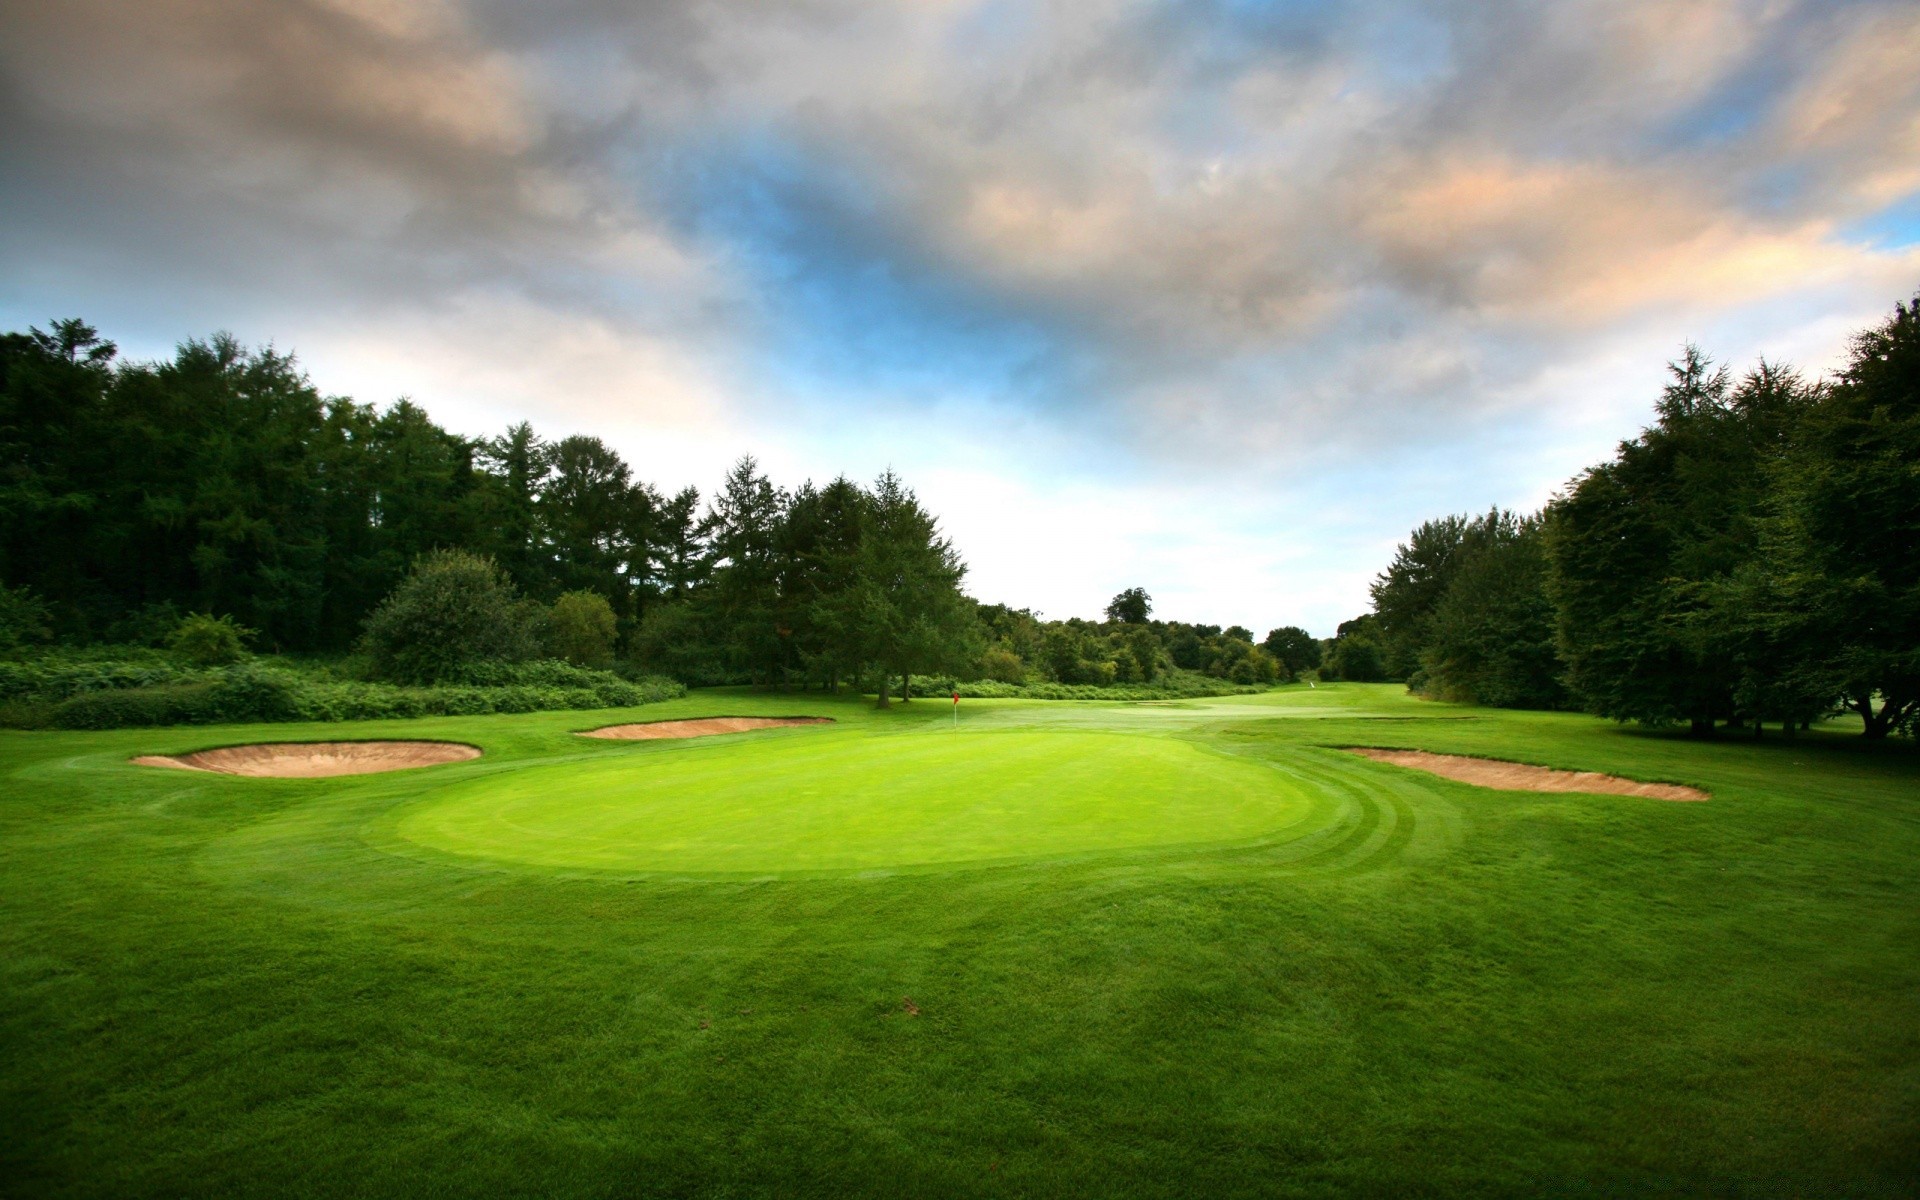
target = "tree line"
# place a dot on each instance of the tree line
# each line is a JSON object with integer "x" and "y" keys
{"x": 1752, "y": 556}
{"x": 221, "y": 481}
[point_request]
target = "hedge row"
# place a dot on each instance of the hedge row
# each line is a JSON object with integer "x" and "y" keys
{"x": 1184, "y": 686}
{"x": 252, "y": 694}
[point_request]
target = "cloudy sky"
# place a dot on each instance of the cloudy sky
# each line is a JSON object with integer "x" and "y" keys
{"x": 1217, "y": 298}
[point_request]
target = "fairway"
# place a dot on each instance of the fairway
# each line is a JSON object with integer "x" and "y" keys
{"x": 1068, "y": 948}
{"x": 847, "y": 801}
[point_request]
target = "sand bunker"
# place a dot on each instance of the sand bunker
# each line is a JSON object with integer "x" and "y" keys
{"x": 1519, "y": 777}
{"x": 315, "y": 760}
{"x": 698, "y": 727}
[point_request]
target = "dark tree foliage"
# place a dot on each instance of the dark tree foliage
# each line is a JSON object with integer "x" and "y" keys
{"x": 1638, "y": 547}
{"x": 1131, "y": 607}
{"x": 1294, "y": 649}
{"x": 1839, "y": 586}
{"x": 1358, "y": 651}
{"x": 1407, "y": 594}
{"x": 453, "y": 612}
{"x": 1490, "y": 639}
{"x": 1752, "y": 557}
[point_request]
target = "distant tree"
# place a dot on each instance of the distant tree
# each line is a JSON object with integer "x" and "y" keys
{"x": 581, "y": 629}
{"x": 679, "y": 558}
{"x": 912, "y": 615}
{"x": 23, "y": 618}
{"x": 1293, "y": 648}
{"x": 1002, "y": 665}
{"x": 1490, "y": 639}
{"x": 595, "y": 522}
{"x": 835, "y": 604}
{"x": 452, "y": 611}
{"x": 516, "y": 466}
{"x": 1358, "y": 653}
{"x": 1130, "y": 607}
{"x": 1406, "y": 595}
{"x": 742, "y": 598}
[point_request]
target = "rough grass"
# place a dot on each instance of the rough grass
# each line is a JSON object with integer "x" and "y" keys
{"x": 219, "y": 986}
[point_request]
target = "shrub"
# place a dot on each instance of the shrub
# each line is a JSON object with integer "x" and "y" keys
{"x": 250, "y": 694}
{"x": 204, "y": 640}
{"x": 1003, "y": 666}
{"x": 177, "y": 704}
{"x": 452, "y": 611}
{"x": 23, "y": 617}
{"x": 580, "y": 629}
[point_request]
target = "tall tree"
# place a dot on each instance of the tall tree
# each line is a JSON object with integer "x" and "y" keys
{"x": 1638, "y": 546}
{"x": 594, "y": 522}
{"x": 1131, "y": 607}
{"x": 1845, "y": 561}
{"x": 911, "y": 613}
{"x": 742, "y": 599}
{"x": 1490, "y": 639}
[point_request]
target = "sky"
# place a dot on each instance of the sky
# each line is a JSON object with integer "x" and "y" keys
{"x": 1218, "y": 299}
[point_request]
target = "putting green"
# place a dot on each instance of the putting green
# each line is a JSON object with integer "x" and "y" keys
{"x": 850, "y": 801}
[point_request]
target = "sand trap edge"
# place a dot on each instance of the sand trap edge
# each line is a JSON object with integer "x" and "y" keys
{"x": 315, "y": 760}
{"x": 693, "y": 727}
{"x": 1507, "y": 776}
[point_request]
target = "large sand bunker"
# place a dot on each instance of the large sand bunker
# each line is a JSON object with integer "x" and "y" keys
{"x": 1519, "y": 777}
{"x": 314, "y": 760}
{"x": 698, "y": 727}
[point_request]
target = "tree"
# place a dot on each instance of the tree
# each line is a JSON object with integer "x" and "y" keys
{"x": 1130, "y": 607}
{"x": 516, "y": 466}
{"x": 1357, "y": 653}
{"x": 910, "y": 614}
{"x": 581, "y": 629}
{"x": 1407, "y": 593}
{"x": 742, "y": 598}
{"x": 1490, "y": 639}
{"x": 594, "y": 522}
{"x": 1843, "y": 567}
{"x": 1293, "y": 648}
{"x": 1638, "y": 547}
{"x": 454, "y": 610}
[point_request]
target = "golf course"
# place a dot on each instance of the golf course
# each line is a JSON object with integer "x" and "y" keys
{"x": 1177, "y": 948}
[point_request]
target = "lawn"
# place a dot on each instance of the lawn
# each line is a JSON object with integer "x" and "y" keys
{"x": 1161, "y": 949}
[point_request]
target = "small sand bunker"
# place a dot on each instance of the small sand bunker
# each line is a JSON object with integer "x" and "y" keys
{"x": 315, "y": 760}
{"x": 698, "y": 727}
{"x": 1519, "y": 777}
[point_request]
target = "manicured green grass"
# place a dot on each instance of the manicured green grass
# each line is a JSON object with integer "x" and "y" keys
{"x": 812, "y": 800}
{"x": 1171, "y": 950}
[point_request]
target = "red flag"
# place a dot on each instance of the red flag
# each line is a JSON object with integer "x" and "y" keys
{"x": 956, "y": 697}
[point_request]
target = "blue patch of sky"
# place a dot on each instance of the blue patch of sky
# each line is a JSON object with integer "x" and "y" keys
{"x": 1895, "y": 227}
{"x": 1731, "y": 109}
{"x": 848, "y": 302}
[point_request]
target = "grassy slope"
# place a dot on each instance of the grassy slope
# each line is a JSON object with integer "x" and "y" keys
{"x": 219, "y": 985}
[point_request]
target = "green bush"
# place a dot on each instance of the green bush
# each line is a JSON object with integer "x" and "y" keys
{"x": 63, "y": 694}
{"x": 1172, "y": 685}
{"x": 23, "y": 617}
{"x": 58, "y": 677}
{"x": 581, "y": 628}
{"x": 176, "y": 704}
{"x": 204, "y": 640}
{"x": 454, "y": 610}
